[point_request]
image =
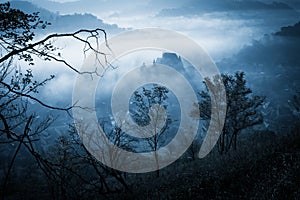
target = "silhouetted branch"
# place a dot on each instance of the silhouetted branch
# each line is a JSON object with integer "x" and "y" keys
{"x": 25, "y": 133}
{"x": 31, "y": 48}
{"x": 34, "y": 98}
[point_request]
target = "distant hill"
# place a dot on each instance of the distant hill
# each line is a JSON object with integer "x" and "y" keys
{"x": 272, "y": 68}
{"x": 90, "y": 6}
{"x": 28, "y": 7}
{"x": 65, "y": 23}
{"x": 279, "y": 49}
{"x": 290, "y": 31}
{"x": 199, "y": 7}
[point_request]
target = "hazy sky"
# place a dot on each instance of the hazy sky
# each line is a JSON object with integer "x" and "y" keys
{"x": 216, "y": 25}
{"x": 64, "y": 1}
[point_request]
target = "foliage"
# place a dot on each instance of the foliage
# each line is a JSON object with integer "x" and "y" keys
{"x": 17, "y": 30}
{"x": 294, "y": 105}
{"x": 149, "y": 106}
{"x": 243, "y": 108}
{"x": 142, "y": 102}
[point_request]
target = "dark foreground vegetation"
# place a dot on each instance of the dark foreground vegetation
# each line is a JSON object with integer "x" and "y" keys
{"x": 265, "y": 166}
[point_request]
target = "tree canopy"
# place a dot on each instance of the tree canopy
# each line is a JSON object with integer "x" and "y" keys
{"x": 243, "y": 108}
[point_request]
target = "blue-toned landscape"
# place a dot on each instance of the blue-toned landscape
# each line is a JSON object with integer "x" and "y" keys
{"x": 47, "y": 148}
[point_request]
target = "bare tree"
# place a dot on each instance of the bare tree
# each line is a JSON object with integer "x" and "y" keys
{"x": 19, "y": 128}
{"x": 76, "y": 173}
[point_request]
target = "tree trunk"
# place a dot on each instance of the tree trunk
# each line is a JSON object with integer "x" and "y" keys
{"x": 222, "y": 143}
{"x": 155, "y": 154}
{"x": 235, "y": 136}
{"x": 157, "y": 165}
{"x": 230, "y": 142}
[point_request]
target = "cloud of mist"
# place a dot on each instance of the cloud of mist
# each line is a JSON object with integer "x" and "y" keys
{"x": 221, "y": 34}
{"x": 220, "y": 37}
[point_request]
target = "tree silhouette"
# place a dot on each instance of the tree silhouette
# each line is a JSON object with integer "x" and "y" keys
{"x": 243, "y": 108}
{"x": 294, "y": 105}
{"x": 149, "y": 109}
{"x": 77, "y": 174}
{"x": 17, "y": 38}
{"x": 20, "y": 128}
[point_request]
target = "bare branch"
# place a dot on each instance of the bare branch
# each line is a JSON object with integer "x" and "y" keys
{"x": 26, "y": 130}
{"x": 35, "y": 99}
{"x": 32, "y": 47}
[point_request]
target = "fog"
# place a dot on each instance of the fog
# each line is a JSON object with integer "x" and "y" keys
{"x": 224, "y": 32}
